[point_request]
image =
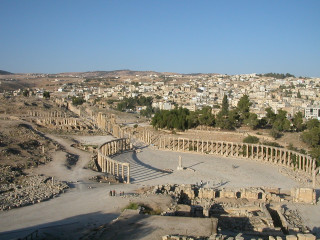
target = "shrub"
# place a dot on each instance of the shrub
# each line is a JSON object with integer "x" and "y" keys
{"x": 251, "y": 139}
{"x": 132, "y": 206}
{"x": 272, "y": 144}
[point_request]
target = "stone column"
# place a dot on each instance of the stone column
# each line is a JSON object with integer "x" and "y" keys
{"x": 202, "y": 146}
{"x": 118, "y": 169}
{"x": 180, "y": 164}
{"x": 128, "y": 174}
{"x": 122, "y": 171}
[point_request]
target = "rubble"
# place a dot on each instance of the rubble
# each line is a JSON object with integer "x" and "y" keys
{"x": 17, "y": 190}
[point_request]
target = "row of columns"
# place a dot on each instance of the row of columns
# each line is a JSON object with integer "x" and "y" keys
{"x": 252, "y": 151}
{"x": 112, "y": 166}
{"x": 55, "y": 114}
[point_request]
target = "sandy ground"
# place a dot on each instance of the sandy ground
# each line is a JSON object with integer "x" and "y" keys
{"x": 92, "y": 140}
{"x": 88, "y": 204}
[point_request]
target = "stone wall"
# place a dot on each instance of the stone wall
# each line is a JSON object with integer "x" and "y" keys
{"x": 299, "y": 236}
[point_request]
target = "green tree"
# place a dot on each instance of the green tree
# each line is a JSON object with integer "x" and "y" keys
{"x": 46, "y": 94}
{"x": 244, "y": 107}
{"x": 252, "y": 121}
{"x": 77, "y": 101}
{"x": 281, "y": 122}
{"x": 315, "y": 153}
{"x": 298, "y": 94}
{"x": 270, "y": 116}
{"x": 26, "y": 93}
{"x": 225, "y": 106}
{"x": 312, "y": 123}
{"x": 298, "y": 122}
{"x": 312, "y": 137}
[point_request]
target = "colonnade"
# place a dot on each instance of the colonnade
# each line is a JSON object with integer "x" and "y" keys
{"x": 54, "y": 114}
{"x": 109, "y": 165}
{"x": 263, "y": 153}
{"x": 108, "y": 123}
{"x": 64, "y": 123}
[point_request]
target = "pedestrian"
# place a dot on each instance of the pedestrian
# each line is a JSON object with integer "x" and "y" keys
{"x": 114, "y": 193}
{"x": 110, "y": 193}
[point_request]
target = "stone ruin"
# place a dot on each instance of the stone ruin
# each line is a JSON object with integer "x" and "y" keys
{"x": 60, "y": 120}
{"x": 250, "y": 211}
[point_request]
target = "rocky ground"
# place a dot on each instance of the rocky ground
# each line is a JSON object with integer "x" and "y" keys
{"x": 18, "y": 190}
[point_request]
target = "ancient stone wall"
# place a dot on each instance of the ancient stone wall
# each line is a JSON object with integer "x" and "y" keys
{"x": 192, "y": 192}
{"x": 60, "y": 120}
{"x": 108, "y": 123}
{"x": 299, "y": 236}
{"x": 109, "y": 165}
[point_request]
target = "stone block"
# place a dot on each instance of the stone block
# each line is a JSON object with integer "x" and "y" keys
{"x": 291, "y": 237}
{"x": 309, "y": 236}
{"x": 301, "y": 236}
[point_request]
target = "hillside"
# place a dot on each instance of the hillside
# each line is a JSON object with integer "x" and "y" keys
{"x": 5, "y": 72}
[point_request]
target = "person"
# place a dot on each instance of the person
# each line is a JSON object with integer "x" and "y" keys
{"x": 114, "y": 193}
{"x": 201, "y": 183}
{"x": 110, "y": 193}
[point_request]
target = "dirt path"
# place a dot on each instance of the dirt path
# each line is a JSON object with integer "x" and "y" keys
{"x": 58, "y": 166}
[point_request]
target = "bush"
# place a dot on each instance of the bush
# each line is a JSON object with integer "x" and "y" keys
{"x": 77, "y": 101}
{"x": 251, "y": 139}
{"x": 46, "y": 94}
{"x": 145, "y": 208}
{"x": 275, "y": 133}
{"x": 132, "y": 206}
{"x": 272, "y": 144}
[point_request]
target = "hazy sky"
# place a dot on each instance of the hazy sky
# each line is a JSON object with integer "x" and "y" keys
{"x": 182, "y": 36}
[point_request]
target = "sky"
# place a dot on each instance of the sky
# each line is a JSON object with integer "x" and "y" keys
{"x": 183, "y": 36}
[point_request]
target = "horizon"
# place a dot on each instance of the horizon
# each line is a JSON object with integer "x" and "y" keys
{"x": 130, "y": 70}
{"x": 228, "y": 37}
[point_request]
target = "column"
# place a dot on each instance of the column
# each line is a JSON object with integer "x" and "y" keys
{"x": 122, "y": 172}
{"x": 202, "y": 146}
{"x": 128, "y": 173}
{"x": 118, "y": 169}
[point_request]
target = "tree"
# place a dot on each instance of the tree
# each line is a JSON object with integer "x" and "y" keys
{"x": 244, "y": 107}
{"x": 252, "y": 121}
{"x": 281, "y": 122}
{"x": 270, "y": 116}
{"x": 298, "y": 94}
{"x": 298, "y": 122}
{"x": 312, "y": 123}
{"x": 312, "y": 137}
{"x": 225, "y": 106}
{"x": 25, "y": 93}
{"x": 77, "y": 101}
{"x": 46, "y": 94}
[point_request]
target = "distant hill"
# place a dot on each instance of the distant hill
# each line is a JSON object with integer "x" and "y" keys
{"x": 5, "y": 72}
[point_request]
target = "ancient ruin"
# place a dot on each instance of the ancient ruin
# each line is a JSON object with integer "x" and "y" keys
{"x": 111, "y": 166}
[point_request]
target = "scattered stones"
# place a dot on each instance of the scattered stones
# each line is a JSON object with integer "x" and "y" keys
{"x": 17, "y": 190}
